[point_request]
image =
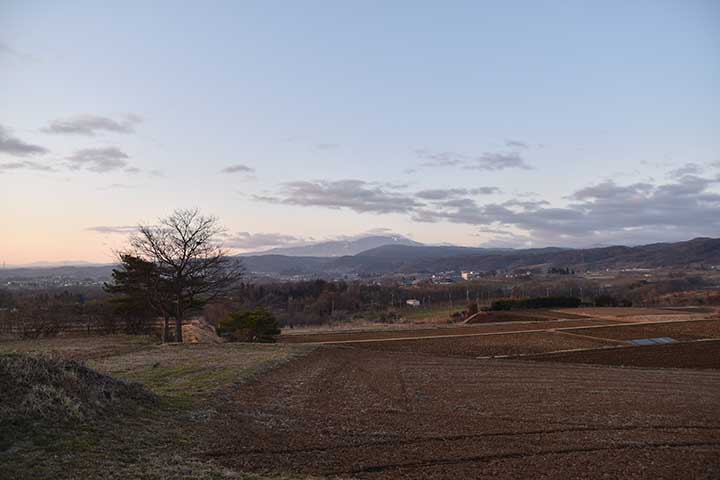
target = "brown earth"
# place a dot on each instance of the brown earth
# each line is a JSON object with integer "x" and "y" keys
{"x": 357, "y": 413}
{"x": 614, "y": 311}
{"x": 487, "y": 345}
{"x": 697, "y": 355}
{"x": 429, "y": 332}
{"x": 678, "y": 330}
{"x": 524, "y": 315}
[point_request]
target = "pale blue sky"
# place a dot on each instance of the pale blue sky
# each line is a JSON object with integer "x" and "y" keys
{"x": 544, "y": 98}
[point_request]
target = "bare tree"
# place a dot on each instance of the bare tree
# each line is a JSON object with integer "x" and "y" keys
{"x": 190, "y": 260}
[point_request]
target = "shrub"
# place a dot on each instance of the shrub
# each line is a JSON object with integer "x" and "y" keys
{"x": 257, "y": 325}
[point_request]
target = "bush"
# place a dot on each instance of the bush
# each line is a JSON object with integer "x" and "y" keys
{"x": 257, "y": 325}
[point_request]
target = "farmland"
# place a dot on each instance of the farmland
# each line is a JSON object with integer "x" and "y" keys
{"x": 555, "y": 396}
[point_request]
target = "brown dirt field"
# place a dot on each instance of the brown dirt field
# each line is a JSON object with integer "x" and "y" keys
{"x": 524, "y": 316}
{"x": 615, "y": 311}
{"x": 703, "y": 354}
{"x": 486, "y": 345}
{"x": 678, "y": 330}
{"x": 349, "y": 412}
{"x": 425, "y": 332}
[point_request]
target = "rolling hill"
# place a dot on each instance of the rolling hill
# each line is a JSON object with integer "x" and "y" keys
{"x": 417, "y": 258}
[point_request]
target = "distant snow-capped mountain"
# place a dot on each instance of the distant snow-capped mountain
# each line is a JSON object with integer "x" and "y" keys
{"x": 339, "y": 248}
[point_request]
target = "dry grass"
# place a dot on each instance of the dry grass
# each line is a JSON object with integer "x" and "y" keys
{"x": 79, "y": 348}
{"x": 36, "y": 387}
{"x": 159, "y": 442}
{"x": 194, "y": 372}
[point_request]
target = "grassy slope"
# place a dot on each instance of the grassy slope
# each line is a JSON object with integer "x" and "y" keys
{"x": 159, "y": 443}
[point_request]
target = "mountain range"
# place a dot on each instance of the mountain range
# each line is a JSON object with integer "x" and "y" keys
{"x": 400, "y": 255}
{"x": 339, "y": 248}
{"x": 430, "y": 259}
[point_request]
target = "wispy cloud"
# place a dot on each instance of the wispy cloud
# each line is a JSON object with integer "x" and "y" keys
{"x": 603, "y": 213}
{"x": 516, "y": 144}
{"x": 445, "y": 193}
{"x": 248, "y": 241}
{"x": 115, "y": 229}
{"x": 439, "y": 159}
{"x": 687, "y": 169}
{"x": 497, "y": 161}
{"x": 90, "y": 125}
{"x": 238, "y": 168}
{"x": 356, "y": 195}
{"x": 24, "y": 165}
{"x": 14, "y": 146}
{"x": 99, "y": 160}
{"x": 7, "y": 50}
{"x": 489, "y": 161}
{"x": 327, "y": 146}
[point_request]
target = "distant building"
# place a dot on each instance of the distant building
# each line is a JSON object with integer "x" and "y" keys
{"x": 413, "y": 303}
{"x": 468, "y": 275}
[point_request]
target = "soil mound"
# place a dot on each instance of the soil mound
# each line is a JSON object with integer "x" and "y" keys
{"x": 38, "y": 388}
{"x": 200, "y": 331}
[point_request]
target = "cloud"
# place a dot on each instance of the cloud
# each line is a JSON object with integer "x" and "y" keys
{"x": 357, "y": 195}
{"x": 439, "y": 159}
{"x": 489, "y": 161}
{"x": 90, "y": 125}
{"x": 605, "y": 213}
{"x": 247, "y": 240}
{"x": 24, "y": 165}
{"x": 516, "y": 144}
{"x": 445, "y": 193}
{"x": 327, "y": 146}
{"x": 9, "y": 51}
{"x": 118, "y": 229}
{"x": 14, "y": 146}
{"x": 117, "y": 186}
{"x": 687, "y": 169}
{"x": 497, "y": 161}
{"x": 238, "y": 168}
{"x": 99, "y": 160}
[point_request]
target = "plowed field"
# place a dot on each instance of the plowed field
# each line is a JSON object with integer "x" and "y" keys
{"x": 356, "y": 413}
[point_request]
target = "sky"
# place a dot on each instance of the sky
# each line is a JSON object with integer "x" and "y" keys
{"x": 506, "y": 123}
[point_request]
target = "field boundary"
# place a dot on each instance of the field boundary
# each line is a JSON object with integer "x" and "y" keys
{"x": 482, "y": 334}
{"x": 525, "y": 356}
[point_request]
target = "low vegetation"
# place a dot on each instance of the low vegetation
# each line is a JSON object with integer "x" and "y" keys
{"x": 115, "y": 407}
{"x": 257, "y": 325}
